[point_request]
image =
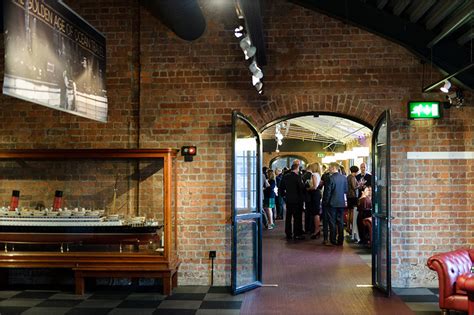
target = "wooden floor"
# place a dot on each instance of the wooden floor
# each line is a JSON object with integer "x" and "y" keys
{"x": 315, "y": 279}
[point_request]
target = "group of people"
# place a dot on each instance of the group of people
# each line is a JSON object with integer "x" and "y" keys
{"x": 321, "y": 196}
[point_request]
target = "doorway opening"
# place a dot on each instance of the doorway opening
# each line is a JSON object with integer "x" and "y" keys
{"x": 316, "y": 138}
{"x": 318, "y": 141}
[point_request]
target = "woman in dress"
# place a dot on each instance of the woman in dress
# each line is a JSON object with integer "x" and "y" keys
{"x": 364, "y": 206}
{"x": 353, "y": 185}
{"x": 314, "y": 191}
{"x": 269, "y": 198}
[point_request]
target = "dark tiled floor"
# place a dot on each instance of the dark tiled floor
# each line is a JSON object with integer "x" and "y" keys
{"x": 191, "y": 300}
{"x": 422, "y": 301}
{"x": 187, "y": 300}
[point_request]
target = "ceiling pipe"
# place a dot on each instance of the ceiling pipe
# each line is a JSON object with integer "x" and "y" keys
{"x": 464, "y": 15}
{"x": 183, "y": 17}
{"x": 466, "y": 37}
{"x": 340, "y": 139}
{"x": 432, "y": 86}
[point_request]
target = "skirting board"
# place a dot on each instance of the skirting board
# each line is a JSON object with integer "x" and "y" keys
{"x": 466, "y": 155}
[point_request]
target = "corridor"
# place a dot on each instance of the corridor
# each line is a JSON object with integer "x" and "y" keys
{"x": 315, "y": 279}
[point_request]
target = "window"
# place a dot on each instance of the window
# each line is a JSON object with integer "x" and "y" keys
{"x": 246, "y": 175}
{"x": 286, "y": 161}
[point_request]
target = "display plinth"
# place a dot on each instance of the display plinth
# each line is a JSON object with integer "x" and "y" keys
{"x": 98, "y": 253}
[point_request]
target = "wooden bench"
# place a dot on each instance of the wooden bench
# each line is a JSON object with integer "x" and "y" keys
{"x": 169, "y": 276}
{"x": 132, "y": 265}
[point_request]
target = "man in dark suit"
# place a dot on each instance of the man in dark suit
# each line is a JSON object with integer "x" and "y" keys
{"x": 364, "y": 178}
{"x": 326, "y": 208}
{"x": 292, "y": 189}
{"x": 337, "y": 189}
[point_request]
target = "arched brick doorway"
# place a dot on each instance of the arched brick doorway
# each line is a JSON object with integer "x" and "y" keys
{"x": 378, "y": 242}
{"x": 315, "y": 113}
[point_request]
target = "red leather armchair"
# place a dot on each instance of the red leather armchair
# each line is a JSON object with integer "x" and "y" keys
{"x": 456, "y": 282}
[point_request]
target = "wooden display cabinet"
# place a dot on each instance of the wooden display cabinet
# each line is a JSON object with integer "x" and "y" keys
{"x": 138, "y": 261}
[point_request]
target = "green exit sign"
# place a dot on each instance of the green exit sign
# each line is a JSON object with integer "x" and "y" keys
{"x": 321, "y": 155}
{"x": 424, "y": 110}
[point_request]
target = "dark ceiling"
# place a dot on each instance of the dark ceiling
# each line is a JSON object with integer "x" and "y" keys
{"x": 440, "y": 32}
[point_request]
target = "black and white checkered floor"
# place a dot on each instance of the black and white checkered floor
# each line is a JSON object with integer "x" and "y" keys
{"x": 186, "y": 300}
{"x": 196, "y": 300}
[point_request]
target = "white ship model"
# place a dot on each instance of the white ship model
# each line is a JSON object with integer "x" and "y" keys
{"x": 74, "y": 226}
{"x": 76, "y": 217}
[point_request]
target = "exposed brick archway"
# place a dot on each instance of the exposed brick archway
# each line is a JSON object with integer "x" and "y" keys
{"x": 301, "y": 114}
{"x": 351, "y": 106}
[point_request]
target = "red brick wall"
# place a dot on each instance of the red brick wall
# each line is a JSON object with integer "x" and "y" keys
{"x": 186, "y": 91}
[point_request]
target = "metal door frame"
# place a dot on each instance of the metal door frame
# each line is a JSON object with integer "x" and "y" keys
{"x": 375, "y": 217}
{"x": 253, "y": 216}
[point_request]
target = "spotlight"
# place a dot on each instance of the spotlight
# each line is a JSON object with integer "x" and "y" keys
{"x": 247, "y": 48}
{"x": 253, "y": 67}
{"x": 255, "y": 80}
{"x": 256, "y": 71}
{"x": 250, "y": 52}
{"x": 445, "y": 88}
{"x": 245, "y": 43}
{"x": 455, "y": 99}
{"x": 259, "y": 86}
{"x": 239, "y": 31}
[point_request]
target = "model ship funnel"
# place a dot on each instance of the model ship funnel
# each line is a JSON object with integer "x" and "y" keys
{"x": 58, "y": 200}
{"x": 15, "y": 200}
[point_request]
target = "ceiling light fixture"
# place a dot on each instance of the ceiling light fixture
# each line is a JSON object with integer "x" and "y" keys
{"x": 247, "y": 48}
{"x": 455, "y": 98}
{"x": 445, "y": 88}
{"x": 239, "y": 31}
{"x": 253, "y": 66}
{"x": 432, "y": 86}
{"x": 245, "y": 43}
{"x": 328, "y": 159}
{"x": 361, "y": 151}
{"x": 250, "y": 52}
{"x": 255, "y": 80}
{"x": 278, "y": 135}
{"x": 257, "y": 72}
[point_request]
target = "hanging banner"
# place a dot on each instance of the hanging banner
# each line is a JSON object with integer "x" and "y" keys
{"x": 54, "y": 58}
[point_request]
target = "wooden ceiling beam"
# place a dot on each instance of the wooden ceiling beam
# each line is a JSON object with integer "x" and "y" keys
{"x": 419, "y": 8}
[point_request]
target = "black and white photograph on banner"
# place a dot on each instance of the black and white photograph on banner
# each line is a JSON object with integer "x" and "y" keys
{"x": 54, "y": 58}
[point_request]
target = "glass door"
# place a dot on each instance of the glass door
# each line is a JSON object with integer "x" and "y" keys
{"x": 246, "y": 205}
{"x": 381, "y": 217}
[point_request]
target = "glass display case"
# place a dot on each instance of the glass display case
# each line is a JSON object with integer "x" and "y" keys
{"x": 89, "y": 209}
